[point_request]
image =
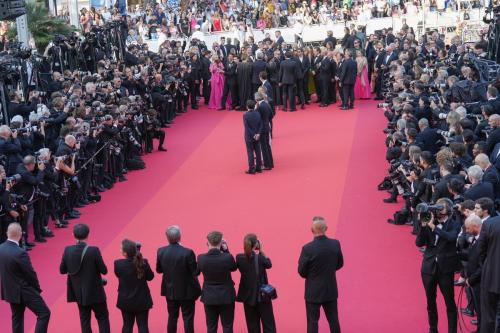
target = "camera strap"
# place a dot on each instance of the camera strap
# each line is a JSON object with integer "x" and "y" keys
{"x": 81, "y": 261}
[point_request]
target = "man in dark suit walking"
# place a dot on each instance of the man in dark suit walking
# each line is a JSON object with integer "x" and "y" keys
{"x": 218, "y": 294}
{"x": 439, "y": 236}
{"x": 19, "y": 283}
{"x": 489, "y": 253}
{"x": 84, "y": 265}
{"x": 289, "y": 71}
{"x": 179, "y": 283}
{"x": 266, "y": 113}
{"x": 318, "y": 263}
{"x": 347, "y": 78}
{"x": 253, "y": 127}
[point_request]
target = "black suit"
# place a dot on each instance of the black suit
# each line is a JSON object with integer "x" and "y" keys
{"x": 438, "y": 267}
{"x": 205, "y": 76}
{"x": 218, "y": 294}
{"x": 253, "y": 126}
{"x": 347, "y": 77}
{"x": 266, "y": 114}
{"x": 480, "y": 190}
{"x": 179, "y": 284}
{"x": 303, "y": 78}
{"x": 230, "y": 85}
{"x": 248, "y": 293}
{"x": 289, "y": 72}
{"x": 325, "y": 79}
{"x": 491, "y": 176}
{"x": 257, "y": 67}
{"x": 429, "y": 140}
{"x": 472, "y": 272}
{"x": 20, "y": 287}
{"x": 85, "y": 284}
{"x": 489, "y": 253}
{"x": 318, "y": 263}
{"x": 134, "y": 297}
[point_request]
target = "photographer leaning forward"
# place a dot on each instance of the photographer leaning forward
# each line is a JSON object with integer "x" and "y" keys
{"x": 439, "y": 235}
{"x": 84, "y": 265}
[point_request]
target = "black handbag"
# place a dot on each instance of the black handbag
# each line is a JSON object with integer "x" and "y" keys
{"x": 266, "y": 291}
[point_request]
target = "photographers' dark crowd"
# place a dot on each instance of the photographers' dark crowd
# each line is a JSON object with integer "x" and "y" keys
{"x": 179, "y": 269}
{"x": 443, "y": 145}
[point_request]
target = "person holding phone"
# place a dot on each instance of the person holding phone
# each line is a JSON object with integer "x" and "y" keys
{"x": 218, "y": 294}
{"x": 252, "y": 264}
{"x": 134, "y": 298}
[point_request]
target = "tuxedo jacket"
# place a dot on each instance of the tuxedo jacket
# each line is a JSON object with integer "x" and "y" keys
{"x": 489, "y": 254}
{"x": 289, "y": 71}
{"x": 304, "y": 66}
{"x": 84, "y": 281}
{"x": 179, "y": 268}
{"x": 318, "y": 263}
{"x": 218, "y": 286}
{"x": 18, "y": 279}
{"x": 348, "y": 72}
{"x": 266, "y": 114}
{"x": 473, "y": 266}
{"x": 441, "y": 251}
{"x": 257, "y": 67}
{"x": 133, "y": 293}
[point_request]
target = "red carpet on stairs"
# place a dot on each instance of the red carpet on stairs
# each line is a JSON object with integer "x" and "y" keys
{"x": 328, "y": 162}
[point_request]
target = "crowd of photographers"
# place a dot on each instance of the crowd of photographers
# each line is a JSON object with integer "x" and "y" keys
{"x": 82, "y": 130}
{"x": 443, "y": 145}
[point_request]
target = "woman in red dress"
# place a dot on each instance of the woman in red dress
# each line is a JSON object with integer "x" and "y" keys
{"x": 216, "y": 22}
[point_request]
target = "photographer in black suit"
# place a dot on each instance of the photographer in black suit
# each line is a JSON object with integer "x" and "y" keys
{"x": 489, "y": 254}
{"x": 347, "y": 78}
{"x": 318, "y": 263}
{"x": 179, "y": 283}
{"x": 218, "y": 294}
{"x": 252, "y": 265}
{"x": 439, "y": 235}
{"x": 84, "y": 265}
{"x": 19, "y": 283}
{"x": 134, "y": 297}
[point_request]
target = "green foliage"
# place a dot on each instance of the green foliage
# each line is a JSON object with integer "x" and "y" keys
{"x": 43, "y": 25}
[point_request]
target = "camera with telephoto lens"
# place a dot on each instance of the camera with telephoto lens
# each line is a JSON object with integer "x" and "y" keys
{"x": 426, "y": 210}
{"x": 14, "y": 179}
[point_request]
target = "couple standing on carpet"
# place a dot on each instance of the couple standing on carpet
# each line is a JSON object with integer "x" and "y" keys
{"x": 257, "y": 122}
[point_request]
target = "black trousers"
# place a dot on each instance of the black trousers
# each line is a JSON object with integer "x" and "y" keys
{"x": 267, "y": 154}
{"x": 348, "y": 92}
{"x": 333, "y": 92}
{"x": 188, "y": 310}
{"x": 226, "y": 314}
{"x": 194, "y": 91}
{"x": 253, "y": 153}
{"x": 289, "y": 96}
{"x": 101, "y": 315}
{"x": 277, "y": 93}
{"x": 260, "y": 313}
{"x": 154, "y": 134}
{"x": 300, "y": 91}
{"x": 37, "y": 305}
{"x": 305, "y": 86}
{"x": 129, "y": 318}
{"x": 331, "y": 313}
{"x": 230, "y": 87}
{"x": 378, "y": 83}
{"x": 325, "y": 83}
{"x": 490, "y": 312}
{"x": 476, "y": 300}
{"x": 206, "y": 90}
{"x": 445, "y": 283}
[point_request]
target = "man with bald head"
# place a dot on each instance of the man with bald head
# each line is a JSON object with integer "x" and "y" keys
{"x": 494, "y": 136}
{"x": 19, "y": 283}
{"x": 318, "y": 263}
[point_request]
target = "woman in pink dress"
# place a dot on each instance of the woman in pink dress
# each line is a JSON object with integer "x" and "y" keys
{"x": 216, "y": 83}
{"x": 362, "y": 85}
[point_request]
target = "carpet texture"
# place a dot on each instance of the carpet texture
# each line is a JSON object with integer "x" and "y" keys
{"x": 328, "y": 162}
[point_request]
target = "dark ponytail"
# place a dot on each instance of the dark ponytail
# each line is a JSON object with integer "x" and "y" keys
{"x": 248, "y": 244}
{"x": 130, "y": 248}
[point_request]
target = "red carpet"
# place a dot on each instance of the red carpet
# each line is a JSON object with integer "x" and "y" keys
{"x": 328, "y": 162}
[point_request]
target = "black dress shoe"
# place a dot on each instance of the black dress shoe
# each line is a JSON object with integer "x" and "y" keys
{"x": 122, "y": 178}
{"x": 194, "y": 107}
{"x": 250, "y": 172}
{"x": 351, "y": 107}
{"x": 302, "y": 107}
{"x": 46, "y": 232}
{"x": 258, "y": 170}
{"x": 162, "y": 149}
{"x": 76, "y": 212}
{"x": 293, "y": 110}
{"x": 70, "y": 216}
{"x": 390, "y": 200}
{"x": 391, "y": 221}
{"x": 268, "y": 168}
{"x": 40, "y": 240}
{"x": 84, "y": 202}
{"x": 467, "y": 312}
{"x": 28, "y": 244}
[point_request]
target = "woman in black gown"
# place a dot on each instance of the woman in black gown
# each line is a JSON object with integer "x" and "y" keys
{"x": 244, "y": 75}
